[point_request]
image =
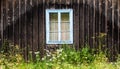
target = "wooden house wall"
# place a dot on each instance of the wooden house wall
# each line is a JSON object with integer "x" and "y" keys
{"x": 23, "y": 22}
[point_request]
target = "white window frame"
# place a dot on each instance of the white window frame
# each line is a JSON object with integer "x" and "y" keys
{"x": 70, "y": 11}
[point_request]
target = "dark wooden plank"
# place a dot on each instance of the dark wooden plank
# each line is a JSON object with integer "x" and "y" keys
{"x": 35, "y": 28}
{"x": 51, "y": 3}
{"x": 86, "y": 23}
{"x": 76, "y": 25}
{"x": 25, "y": 32}
{"x": 55, "y": 2}
{"x": 99, "y": 23}
{"x": 71, "y": 3}
{"x": 16, "y": 22}
{"x": 58, "y": 4}
{"x": 63, "y": 2}
{"x": 115, "y": 30}
{"x": 118, "y": 22}
{"x": 113, "y": 26}
{"x": 94, "y": 14}
{"x": 91, "y": 21}
{"x": 31, "y": 36}
{"x": 81, "y": 21}
{"x": 116, "y": 27}
{"x": 19, "y": 24}
{"x": 31, "y": 39}
{"x": 106, "y": 22}
{"x": 47, "y": 4}
{"x": 102, "y": 26}
{"x": 13, "y": 18}
{"x": 41, "y": 27}
{"x": 9, "y": 25}
{"x": 66, "y": 7}
{"x": 44, "y": 28}
{"x": 4, "y": 20}
{"x": 30, "y": 29}
{"x": 1, "y": 23}
{"x": 109, "y": 30}
{"x": 96, "y": 22}
{"x": 22, "y": 28}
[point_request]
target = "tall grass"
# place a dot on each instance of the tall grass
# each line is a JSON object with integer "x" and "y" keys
{"x": 62, "y": 58}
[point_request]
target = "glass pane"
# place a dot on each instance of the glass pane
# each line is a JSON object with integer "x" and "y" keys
{"x": 65, "y": 17}
{"x": 65, "y": 36}
{"x": 53, "y": 17}
{"x": 65, "y": 27}
{"x": 53, "y": 36}
{"x": 53, "y": 27}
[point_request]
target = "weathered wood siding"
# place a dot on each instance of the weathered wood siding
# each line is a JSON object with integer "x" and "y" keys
{"x": 23, "y": 22}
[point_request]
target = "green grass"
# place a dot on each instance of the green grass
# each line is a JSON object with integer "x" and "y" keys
{"x": 64, "y": 65}
{"x": 63, "y": 58}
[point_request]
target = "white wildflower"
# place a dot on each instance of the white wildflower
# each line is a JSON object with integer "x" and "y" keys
{"x": 37, "y": 52}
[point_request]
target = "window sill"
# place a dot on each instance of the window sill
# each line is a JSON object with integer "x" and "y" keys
{"x": 59, "y": 42}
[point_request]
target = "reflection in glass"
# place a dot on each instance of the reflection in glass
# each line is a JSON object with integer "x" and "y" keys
{"x": 65, "y": 27}
{"x": 53, "y": 17}
{"x": 54, "y": 36}
{"x": 65, "y": 36}
{"x": 53, "y": 27}
{"x": 64, "y": 17}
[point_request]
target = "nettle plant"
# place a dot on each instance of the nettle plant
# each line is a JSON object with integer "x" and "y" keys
{"x": 69, "y": 55}
{"x": 10, "y": 53}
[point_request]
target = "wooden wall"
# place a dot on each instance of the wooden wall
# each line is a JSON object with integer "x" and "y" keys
{"x": 23, "y": 22}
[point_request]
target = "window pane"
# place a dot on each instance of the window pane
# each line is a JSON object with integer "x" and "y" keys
{"x": 53, "y": 36}
{"x": 65, "y": 36}
{"x": 53, "y": 17}
{"x": 65, "y": 17}
{"x": 53, "y": 27}
{"x": 65, "y": 27}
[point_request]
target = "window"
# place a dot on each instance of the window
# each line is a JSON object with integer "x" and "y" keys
{"x": 59, "y": 26}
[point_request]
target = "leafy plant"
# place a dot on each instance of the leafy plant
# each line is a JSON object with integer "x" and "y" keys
{"x": 10, "y": 53}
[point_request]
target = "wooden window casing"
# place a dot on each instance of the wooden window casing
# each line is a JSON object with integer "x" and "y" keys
{"x": 59, "y": 26}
